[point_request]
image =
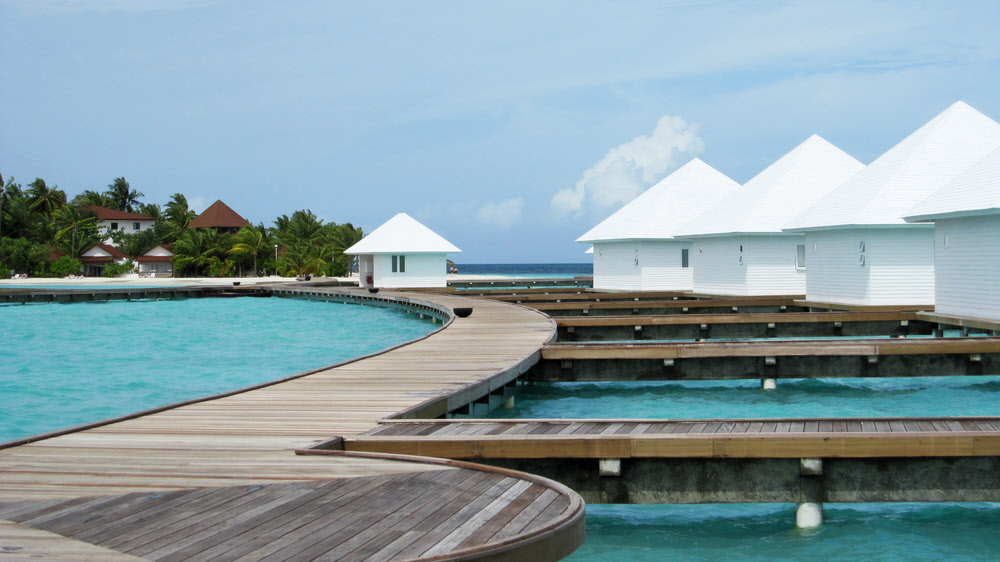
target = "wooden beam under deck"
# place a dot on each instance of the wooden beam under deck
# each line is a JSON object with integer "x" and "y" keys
{"x": 710, "y": 438}
{"x": 864, "y": 347}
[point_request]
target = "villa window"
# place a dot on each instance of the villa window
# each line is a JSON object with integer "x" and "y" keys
{"x": 135, "y": 226}
{"x": 399, "y": 264}
{"x": 800, "y": 256}
{"x": 114, "y": 226}
{"x": 684, "y": 257}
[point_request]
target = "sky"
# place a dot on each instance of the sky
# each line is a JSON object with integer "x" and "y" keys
{"x": 510, "y": 128}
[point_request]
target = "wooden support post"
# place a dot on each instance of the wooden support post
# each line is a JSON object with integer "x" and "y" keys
{"x": 610, "y": 467}
{"x": 809, "y": 511}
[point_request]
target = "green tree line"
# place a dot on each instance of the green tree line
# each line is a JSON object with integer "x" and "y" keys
{"x": 38, "y": 219}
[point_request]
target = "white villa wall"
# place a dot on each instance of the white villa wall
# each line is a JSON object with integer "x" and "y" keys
{"x": 156, "y": 267}
{"x": 422, "y": 270}
{"x": 717, "y": 268}
{"x": 750, "y": 265}
{"x": 897, "y": 266}
{"x": 125, "y": 225}
{"x": 967, "y": 266}
{"x": 642, "y": 265}
{"x": 771, "y": 267}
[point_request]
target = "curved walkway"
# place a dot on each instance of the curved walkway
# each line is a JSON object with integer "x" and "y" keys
{"x": 240, "y": 444}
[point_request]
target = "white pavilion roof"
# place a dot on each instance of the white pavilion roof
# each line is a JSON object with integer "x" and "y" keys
{"x": 907, "y": 174}
{"x": 779, "y": 193}
{"x": 975, "y": 192}
{"x": 402, "y": 234}
{"x": 660, "y": 211}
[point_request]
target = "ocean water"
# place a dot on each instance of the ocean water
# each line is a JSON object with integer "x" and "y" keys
{"x": 527, "y": 270}
{"x": 848, "y": 397}
{"x": 766, "y": 532}
{"x": 69, "y": 364}
{"x": 880, "y": 531}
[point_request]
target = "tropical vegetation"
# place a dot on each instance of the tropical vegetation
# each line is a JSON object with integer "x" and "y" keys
{"x": 43, "y": 233}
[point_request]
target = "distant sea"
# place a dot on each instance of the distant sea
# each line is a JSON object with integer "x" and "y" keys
{"x": 526, "y": 269}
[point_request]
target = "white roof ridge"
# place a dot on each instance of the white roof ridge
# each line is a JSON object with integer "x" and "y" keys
{"x": 790, "y": 184}
{"x": 402, "y": 234}
{"x": 905, "y": 174}
{"x": 974, "y": 192}
{"x": 944, "y": 117}
{"x": 660, "y": 211}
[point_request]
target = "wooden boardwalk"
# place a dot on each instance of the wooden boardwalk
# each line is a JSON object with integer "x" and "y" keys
{"x": 864, "y": 347}
{"x": 709, "y": 438}
{"x": 232, "y": 462}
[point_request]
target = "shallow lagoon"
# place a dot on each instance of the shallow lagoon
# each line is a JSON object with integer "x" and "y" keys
{"x": 884, "y": 531}
{"x": 69, "y": 364}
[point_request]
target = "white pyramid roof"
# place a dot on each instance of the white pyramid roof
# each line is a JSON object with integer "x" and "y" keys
{"x": 907, "y": 174}
{"x": 975, "y": 192}
{"x": 779, "y": 193}
{"x": 402, "y": 234}
{"x": 660, "y": 211}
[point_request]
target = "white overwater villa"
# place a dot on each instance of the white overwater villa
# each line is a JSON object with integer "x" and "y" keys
{"x": 402, "y": 253}
{"x": 858, "y": 248}
{"x": 636, "y": 248}
{"x": 739, "y": 247}
{"x": 966, "y": 217}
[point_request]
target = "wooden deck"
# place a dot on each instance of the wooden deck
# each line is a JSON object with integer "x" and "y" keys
{"x": 758, "y": 304}
{"x": 710, "y": 438}
{"x": 746, "y": 318}
{"x": 242, "y": 448}
{"x": 864, "y": 347}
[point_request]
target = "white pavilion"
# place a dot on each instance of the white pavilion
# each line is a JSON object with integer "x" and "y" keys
{"x": 636, "y": 248}
{"x": 402, "y": 253}
{"x": 859, "y": 249}
{"x": 966, "y": 217}
{"x": 739, "y": 247}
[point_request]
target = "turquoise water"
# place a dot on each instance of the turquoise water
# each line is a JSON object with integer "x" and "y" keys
{"x": 69, "y": 364}
{"x": 766, "y": 532}
{"x": 886, "y": 397}
{"x": 884, "y": 531}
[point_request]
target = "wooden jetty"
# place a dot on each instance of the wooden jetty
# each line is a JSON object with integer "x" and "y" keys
{"x": 225, "y": 477}
{"x": 741, "y": 325}
{"x": 768, "y": 359}
{"x": 803, "y": 461}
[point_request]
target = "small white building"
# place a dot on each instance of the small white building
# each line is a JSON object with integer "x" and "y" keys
{"x": 402, "y": 253}
{"x": 739, "y": 247}
{"x": 96, "y": 257}
{"x": 113, "y": 219}
{"x": 636, "y": 249}
{"x": 859, "y": 250}
{"x": 157, "y": 261}
{"x": 966, "y": 216}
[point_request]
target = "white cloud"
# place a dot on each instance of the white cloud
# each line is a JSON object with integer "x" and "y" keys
{"x": 503, "y": 214}
{"x": 628, "y": 169}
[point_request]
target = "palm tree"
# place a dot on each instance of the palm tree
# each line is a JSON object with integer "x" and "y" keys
{"x": 122, "y": 196}
{"x": 151, "y": 210}
{"x": 18, "y": 216}
{"x": 91, "y": 197}
{"x": 70, "y": 220}
{"x": 44, "y": 198}
{"x": 177, "y": 211}
{"x": 195, "y": 248}
{"x": 302, "y": 260}
{"x": 250, "y": 241}
{"x": 342, "y": 237}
